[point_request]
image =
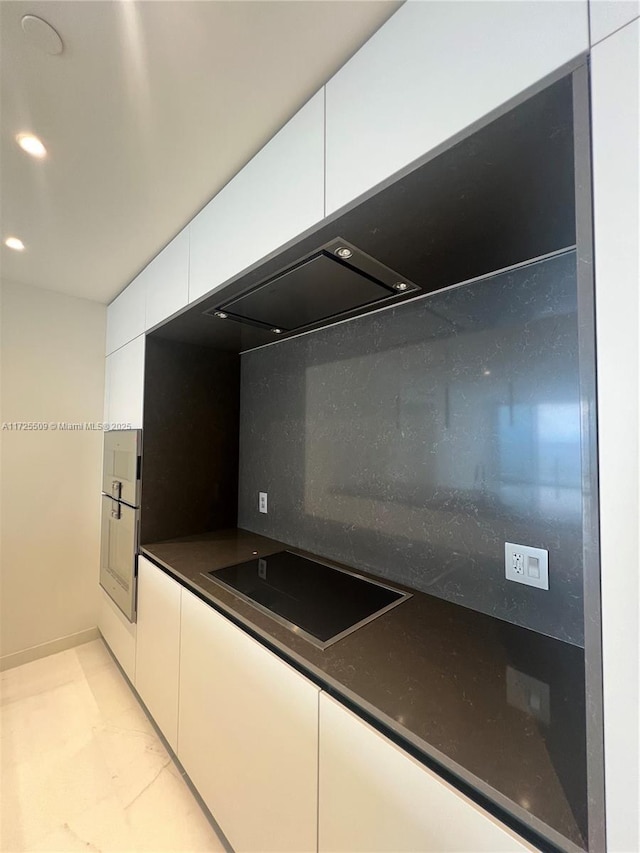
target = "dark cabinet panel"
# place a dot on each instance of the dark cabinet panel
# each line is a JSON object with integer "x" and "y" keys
{"x": 190, "y": 440}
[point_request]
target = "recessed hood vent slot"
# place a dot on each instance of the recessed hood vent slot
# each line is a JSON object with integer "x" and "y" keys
{"x": 334, "y": 282}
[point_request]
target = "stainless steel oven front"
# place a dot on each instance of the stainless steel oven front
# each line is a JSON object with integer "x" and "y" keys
{"x": 120, "y": 517}
{"x": 121, "y": 465}
{"x": 119, "y": 547}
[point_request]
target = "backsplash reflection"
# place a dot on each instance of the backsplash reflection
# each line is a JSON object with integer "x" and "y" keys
{"x": 414, "y": 442}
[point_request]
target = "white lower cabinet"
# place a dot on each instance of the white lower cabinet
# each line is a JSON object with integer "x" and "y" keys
{"x": 248, "y": 734}
{"x": 119, "y": 634}
{"x": 281, "y": 765}
{"x": 375, "y": 798}
{"x": 158, "y": 647}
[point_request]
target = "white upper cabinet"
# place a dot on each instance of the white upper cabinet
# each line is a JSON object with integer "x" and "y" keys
{"x": 433, "y": 69}
{"x": 167, "y": 280}
{"x": 107, "y": 388}
{"x": 374, "y": 798}
{"x": 125, "y": 376}
{"x": 126, "y": 314}
{"x": 277, "y": 195}
{"x": 607, "y": 16}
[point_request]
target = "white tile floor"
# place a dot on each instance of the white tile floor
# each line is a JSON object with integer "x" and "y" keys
{"x": 83, "y": 769}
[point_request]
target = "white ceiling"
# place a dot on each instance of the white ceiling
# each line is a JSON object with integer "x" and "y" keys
{"x": 149, "y": 111}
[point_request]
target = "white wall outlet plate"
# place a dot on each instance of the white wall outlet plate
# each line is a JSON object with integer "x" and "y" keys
{"x": 526, "y": 565}
{"x": 262, "y": 501}
{"x": 528, "y": 694}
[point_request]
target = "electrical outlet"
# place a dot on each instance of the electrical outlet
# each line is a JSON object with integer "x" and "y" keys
{"x": 526, "y": 565}
{"x": 262, "y": 501}
{"x": 517, "y": 563}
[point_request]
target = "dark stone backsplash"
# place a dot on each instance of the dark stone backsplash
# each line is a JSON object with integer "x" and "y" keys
{"x": 414, "y": 442}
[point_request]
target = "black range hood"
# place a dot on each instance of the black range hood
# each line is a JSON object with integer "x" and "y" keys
{"x": 502, "y": 195}
{"x": 333, "y": 282}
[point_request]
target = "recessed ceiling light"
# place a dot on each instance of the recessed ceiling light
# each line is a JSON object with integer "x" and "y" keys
{"x": 31, "y": 144}
{"x": 14, "y": 243}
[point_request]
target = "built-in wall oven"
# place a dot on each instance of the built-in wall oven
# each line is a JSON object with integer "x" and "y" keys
{"x": 121, "y": 517}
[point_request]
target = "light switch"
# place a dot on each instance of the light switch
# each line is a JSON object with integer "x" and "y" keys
{"x": 533, "y": 567}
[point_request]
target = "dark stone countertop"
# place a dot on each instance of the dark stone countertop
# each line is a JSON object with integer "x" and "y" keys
{"x": 497, "y": 708}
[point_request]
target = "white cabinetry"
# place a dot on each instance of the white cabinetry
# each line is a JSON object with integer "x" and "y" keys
{"x": 615, "y": 71}
{"x": 158, "y": 647}
{"x": 433, "y": 69}
{"x": 374, "y": 798}
{"x": 167, "y": 280}
{"x": 248, "y": 734}
{"x": 126, "y": 315}
{"x": 607, "y": 16}
{"x": 119, "y": 633}
{"x": 124, "y": 384}
{"x": 161, "y": 289}
{"x": 278, "y": 195}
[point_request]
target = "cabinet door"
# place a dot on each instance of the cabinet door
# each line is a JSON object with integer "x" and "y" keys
{"x": 167, "y": 280}
{"x": 607, "y": 16}
{"x": 615, "y": 102}
{"x": 374, "y": 797}
{"x": 433, "y": 69}
{"x": 107, "y": 389}
{"x": 278, "y": 194}
{"x": 119, "y": 634}
{"x": 158, "y": 647}
{"x": 248, "y": 734}
{"x": 125, "y": 374}
{"x": 126, "y": 315}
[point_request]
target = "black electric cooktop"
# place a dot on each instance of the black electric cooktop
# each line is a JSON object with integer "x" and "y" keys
{"x": 318, "y": 601}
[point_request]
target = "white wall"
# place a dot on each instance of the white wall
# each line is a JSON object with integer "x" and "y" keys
{"x": 52, "y": 369}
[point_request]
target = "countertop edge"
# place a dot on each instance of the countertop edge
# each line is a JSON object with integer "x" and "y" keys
{"x": 517, "y": 819}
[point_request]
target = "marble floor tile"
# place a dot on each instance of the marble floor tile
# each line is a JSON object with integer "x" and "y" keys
{"x": 93, "y": 656}
{"x": 188, "y": 828}
{"x": 110, "y": 692}
{"x": 38, "y": 676}
{"x": 48, "y": 720}
{"x": 103, "y": 827}
{"x": 81, "y": 767}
